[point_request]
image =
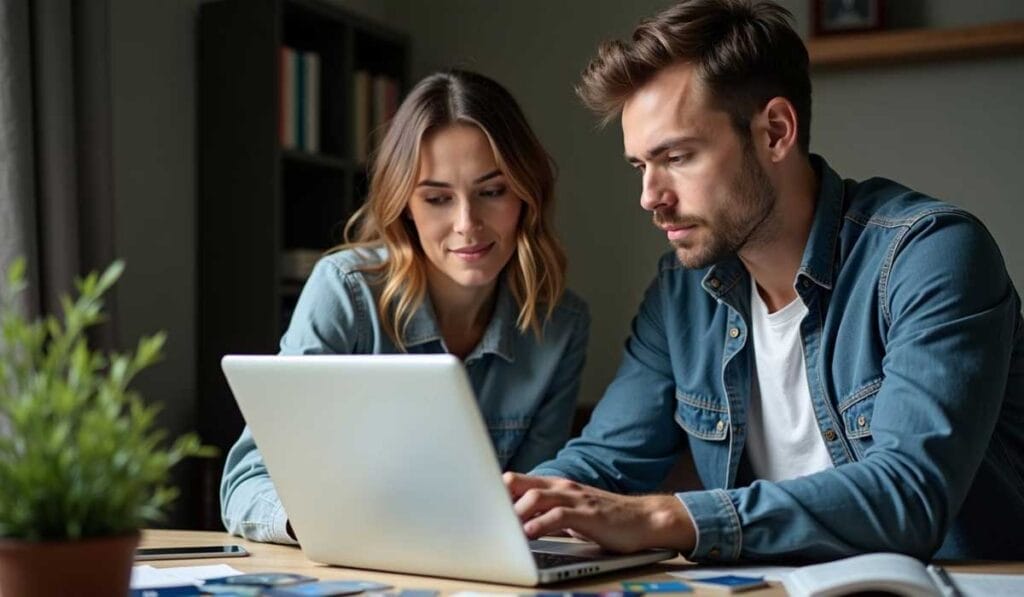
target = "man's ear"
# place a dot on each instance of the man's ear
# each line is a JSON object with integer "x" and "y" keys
{"x": 780, "y": 121}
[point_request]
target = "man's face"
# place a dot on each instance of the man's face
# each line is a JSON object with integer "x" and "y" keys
{"x": 701, "y": 181}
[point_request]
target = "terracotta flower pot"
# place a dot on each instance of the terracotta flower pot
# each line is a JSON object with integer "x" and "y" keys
{"x": 96, "y": 566}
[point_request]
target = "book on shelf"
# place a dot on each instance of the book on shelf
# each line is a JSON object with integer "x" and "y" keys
{"x": 286, "y": 124}
{"x": 375, "y": 101}
{"x": 299, "y": 93}
{"x": 361, "y": 116}
{"x": 311, "y": 121}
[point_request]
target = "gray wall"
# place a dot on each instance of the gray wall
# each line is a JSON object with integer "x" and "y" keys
{"x": 153, "y": 88}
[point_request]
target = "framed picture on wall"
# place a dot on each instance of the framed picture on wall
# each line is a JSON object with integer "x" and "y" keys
{"x": 847, "y": 16}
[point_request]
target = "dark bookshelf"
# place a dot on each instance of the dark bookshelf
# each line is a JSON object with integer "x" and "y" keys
{"x": 256, "y": 200}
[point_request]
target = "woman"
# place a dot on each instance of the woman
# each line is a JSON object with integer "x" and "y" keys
{"x": 452, "y": 252}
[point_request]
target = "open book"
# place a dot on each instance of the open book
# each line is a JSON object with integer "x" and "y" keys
{"x": 888, "y": 572}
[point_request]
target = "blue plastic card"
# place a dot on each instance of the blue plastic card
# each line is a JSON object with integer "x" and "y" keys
{"x": 672, "y": 586}
{"x": 730, "y": 582}
{"x": 232, "y": 590}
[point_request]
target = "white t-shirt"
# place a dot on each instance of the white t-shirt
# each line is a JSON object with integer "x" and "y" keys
{"x": 783, "y": 437}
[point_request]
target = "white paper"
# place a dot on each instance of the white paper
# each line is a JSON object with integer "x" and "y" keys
{"x": 150, "y": 577}
{"x": 989, "y": 585}
{"x": 772, "y": 573}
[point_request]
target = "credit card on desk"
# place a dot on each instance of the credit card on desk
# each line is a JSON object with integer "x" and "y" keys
{"x": 327, "y": 588}
{"x": 729, "y": 583}
{"x": 233, "y": 590}
{"x": 262, "y": 579}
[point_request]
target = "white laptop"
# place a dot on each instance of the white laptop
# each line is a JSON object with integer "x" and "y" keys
{"x": 384, "y": 462}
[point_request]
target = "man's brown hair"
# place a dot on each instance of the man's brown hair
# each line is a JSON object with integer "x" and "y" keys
{"x": 745, "y": 53}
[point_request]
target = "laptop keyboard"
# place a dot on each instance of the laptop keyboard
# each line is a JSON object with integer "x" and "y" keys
{"x": 553, "y": 560}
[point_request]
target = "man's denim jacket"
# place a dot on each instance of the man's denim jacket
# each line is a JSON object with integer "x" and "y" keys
{"x": 913, "y": 352}
{"x": 526, "y": 387}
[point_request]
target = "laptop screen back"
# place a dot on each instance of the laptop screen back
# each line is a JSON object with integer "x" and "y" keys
{"x": 383, "y": 462}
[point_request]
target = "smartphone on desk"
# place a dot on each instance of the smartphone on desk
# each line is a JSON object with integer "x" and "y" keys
{"x": 187, "y": 553}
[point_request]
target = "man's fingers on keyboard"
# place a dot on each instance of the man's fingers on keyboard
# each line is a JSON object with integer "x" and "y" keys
{"x": 518, "y": 484}
{"x": 556, "y": 519}
{"x": 538, "y": 501}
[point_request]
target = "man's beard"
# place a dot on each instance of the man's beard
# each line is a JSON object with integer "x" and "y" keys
{"x": 752, "y": 200}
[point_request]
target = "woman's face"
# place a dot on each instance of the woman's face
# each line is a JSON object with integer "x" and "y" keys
{"x": 463, "y": 209}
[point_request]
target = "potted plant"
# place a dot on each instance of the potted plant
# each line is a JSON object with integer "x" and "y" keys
{"x": 82, "y": 466}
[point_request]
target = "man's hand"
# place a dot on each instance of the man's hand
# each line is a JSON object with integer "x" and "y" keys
{"x": 620, "y": 523}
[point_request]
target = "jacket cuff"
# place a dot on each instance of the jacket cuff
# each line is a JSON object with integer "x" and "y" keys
{"x": 719, "y": 537}
{"x": 547, "y": 472}
{"x": 279, "y": 528}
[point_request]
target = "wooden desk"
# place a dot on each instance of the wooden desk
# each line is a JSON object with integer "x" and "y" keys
{"x": 282, "y": 558}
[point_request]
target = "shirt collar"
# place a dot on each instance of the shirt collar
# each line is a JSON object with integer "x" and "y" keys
{"x": 498, "y": 338}
{"x": 818, "y": 262}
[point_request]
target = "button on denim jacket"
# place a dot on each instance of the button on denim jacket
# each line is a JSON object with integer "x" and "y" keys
{"x": 526, "y": 388}
{"x": 912, "y": 344}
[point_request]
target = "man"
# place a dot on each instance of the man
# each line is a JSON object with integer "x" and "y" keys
{"x": 843, "y": 360}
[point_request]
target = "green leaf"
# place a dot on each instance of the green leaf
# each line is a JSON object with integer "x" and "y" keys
{"x": 111, "y": 275}
{"x": 16, "y": 276}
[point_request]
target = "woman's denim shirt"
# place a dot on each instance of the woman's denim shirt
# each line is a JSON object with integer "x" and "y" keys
{"x": 526, "y": 388}
{"x": 915, "y": 362}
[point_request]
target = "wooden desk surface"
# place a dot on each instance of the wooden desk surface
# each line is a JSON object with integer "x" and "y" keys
{"x": 282, "y": 558}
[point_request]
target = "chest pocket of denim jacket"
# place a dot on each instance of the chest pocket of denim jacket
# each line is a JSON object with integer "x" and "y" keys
{"x": 506, "y": 435}
{"x": 856, "y": 412}
{"x": 701, "y": 416}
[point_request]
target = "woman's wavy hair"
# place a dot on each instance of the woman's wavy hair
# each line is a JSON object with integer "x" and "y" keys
{"x": 535, "y": 275}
